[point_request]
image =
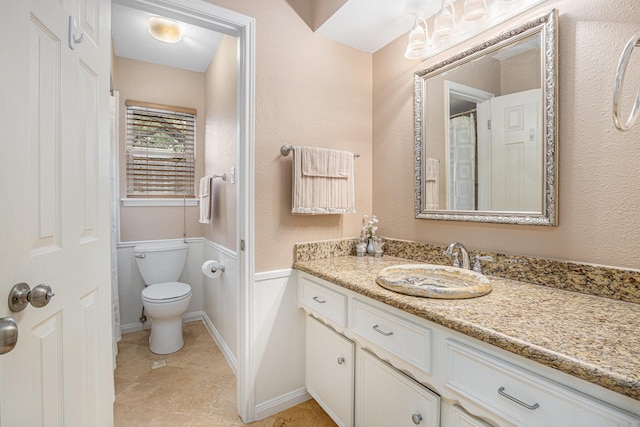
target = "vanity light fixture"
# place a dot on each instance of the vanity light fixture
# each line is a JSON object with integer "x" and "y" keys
{"x": 165, "y": 30}
{"x": 476, "y": 17}
{"x": 418, "y": 40}
{"x": 475, "y": 11}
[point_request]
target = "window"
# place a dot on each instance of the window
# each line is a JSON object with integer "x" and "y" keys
{"x": 160, "y": 150}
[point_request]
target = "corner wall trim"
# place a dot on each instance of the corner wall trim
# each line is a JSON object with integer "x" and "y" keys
{"x": 274, "y": 274}
{"x": 280, "y": 403}
{"x": 217, "y": 247}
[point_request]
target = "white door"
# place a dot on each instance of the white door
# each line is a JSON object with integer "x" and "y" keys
{"x": 54, "y": 219}
{"x": 516, "y": 165}
{"x": 462, "y": 143}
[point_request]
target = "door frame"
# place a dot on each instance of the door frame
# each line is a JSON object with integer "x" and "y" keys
{"x": 207, "y": 15}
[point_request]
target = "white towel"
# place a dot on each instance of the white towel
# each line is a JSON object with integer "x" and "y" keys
{"x": 431, "y": 184}
{"x": 323, "y": 181}
{"x": 326, "y": 163}
{"x": 204, "y": 194}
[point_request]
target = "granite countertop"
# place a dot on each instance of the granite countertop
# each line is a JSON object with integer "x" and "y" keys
{"x": 593, "y": 338}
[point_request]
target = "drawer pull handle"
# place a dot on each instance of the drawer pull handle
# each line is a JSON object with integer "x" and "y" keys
{"x": 501, "y": 392}
{"x": 340, "y": 360}
{"x": 380, "y": 331}
{"x": 416, "y": 418}
{"x": 321, "y": 301}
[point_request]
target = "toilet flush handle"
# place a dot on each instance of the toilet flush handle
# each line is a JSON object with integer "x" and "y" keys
{"x": 139, "y": 255}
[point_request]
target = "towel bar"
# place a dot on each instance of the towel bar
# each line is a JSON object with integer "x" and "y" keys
{"x": 286, "y": 149}
{"x": 223, "y": 176}
{"x": 622, "y": 67}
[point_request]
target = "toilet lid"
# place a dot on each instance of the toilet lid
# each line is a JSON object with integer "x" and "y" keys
{"x": 164, "y": 291}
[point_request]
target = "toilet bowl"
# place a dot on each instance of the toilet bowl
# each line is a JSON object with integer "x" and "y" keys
{"x": 165, "y": 303}
{"x": 164, "y": 298}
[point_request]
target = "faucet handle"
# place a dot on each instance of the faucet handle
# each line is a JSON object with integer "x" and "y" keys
{"x": 456, "y": 257}
{"x": 477, "y": 265}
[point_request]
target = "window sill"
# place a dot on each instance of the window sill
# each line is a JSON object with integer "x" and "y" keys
{"x": 158, "y": 202}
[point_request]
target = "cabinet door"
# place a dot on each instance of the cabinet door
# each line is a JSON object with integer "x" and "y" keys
{"x": 330, "y": 371}
{"x": 386, "y": 397}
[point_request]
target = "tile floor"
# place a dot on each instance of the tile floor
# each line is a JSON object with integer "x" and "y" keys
{"x": 195, "y": 388}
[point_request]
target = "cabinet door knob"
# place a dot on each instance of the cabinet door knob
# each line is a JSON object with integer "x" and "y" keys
{"x": 416, "y": 418}
{"x": 340, "y": 360}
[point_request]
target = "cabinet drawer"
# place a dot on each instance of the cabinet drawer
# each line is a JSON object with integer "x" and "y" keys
{"x": 408, "y": 340}
{"x": 387, "y": 397}
{"x": 522, "y": 397}
{"x": 324, "y": 301}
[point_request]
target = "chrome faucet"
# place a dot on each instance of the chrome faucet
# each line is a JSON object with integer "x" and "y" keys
{"x": 463, "y": 251}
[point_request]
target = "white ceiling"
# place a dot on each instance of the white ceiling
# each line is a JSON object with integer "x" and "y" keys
{"x": 132, "y": 40}
{"x": 369, "y": 25}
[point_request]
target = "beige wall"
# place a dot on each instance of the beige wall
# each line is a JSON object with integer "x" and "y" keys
{"x": 142, "y": 81}
{"x": 520, "y": 72}
{"x": 599, "y": 170}
{"x": 221, "y": 140}
{"x": 309, "y": 91}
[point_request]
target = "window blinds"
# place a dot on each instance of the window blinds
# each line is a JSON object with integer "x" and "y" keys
{"x": 160, "y": 150}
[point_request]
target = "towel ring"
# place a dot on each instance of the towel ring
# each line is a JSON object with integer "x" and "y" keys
{"x": 622, "y": 67}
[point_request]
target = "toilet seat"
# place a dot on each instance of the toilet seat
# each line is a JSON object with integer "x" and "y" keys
{"x": 166, "y": 292}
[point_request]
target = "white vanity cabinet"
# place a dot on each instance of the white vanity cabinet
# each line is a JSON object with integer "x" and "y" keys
{"x": 470, "y": 383}
{"x": 329, "y": 371}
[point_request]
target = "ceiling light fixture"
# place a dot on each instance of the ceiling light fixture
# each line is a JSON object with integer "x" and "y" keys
{"x": 165, "y": 30}
{"x": 476, "y": 17}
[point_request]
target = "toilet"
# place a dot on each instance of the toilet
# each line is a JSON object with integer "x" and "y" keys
{"x": 164, "y": 298}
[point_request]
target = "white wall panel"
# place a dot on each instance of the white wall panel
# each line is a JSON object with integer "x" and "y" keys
{"x": 279, "y": 343}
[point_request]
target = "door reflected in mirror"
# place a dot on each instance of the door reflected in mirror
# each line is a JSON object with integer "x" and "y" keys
{"x": 485, "y": 131}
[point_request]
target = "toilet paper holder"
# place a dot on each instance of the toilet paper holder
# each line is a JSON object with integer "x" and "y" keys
{"x": 212, "y": 268}
{"x": 215, "y": 269}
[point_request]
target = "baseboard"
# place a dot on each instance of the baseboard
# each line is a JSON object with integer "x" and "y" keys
{"x": 222, "y": 345}
{"x": 131, "y": 327}
{"x": 281, "y": 403}
{"x": 193, "y": 316}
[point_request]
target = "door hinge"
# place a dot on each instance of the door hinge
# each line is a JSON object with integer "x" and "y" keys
{"x": 489, "y": 124}
{"x": 242, "y": 244}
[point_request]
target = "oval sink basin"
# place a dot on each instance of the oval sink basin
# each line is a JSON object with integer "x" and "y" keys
{"x": 434, "y": 281}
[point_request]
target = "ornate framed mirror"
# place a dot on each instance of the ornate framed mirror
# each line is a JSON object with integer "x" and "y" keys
{"x": 486, "y": 130}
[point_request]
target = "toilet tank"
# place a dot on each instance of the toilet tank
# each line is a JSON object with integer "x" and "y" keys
{"x": 160, "y": 262}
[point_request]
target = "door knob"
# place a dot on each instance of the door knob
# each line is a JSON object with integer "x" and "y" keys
{"x": 21, "y": 295}
{"x": 8, "y": 334}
